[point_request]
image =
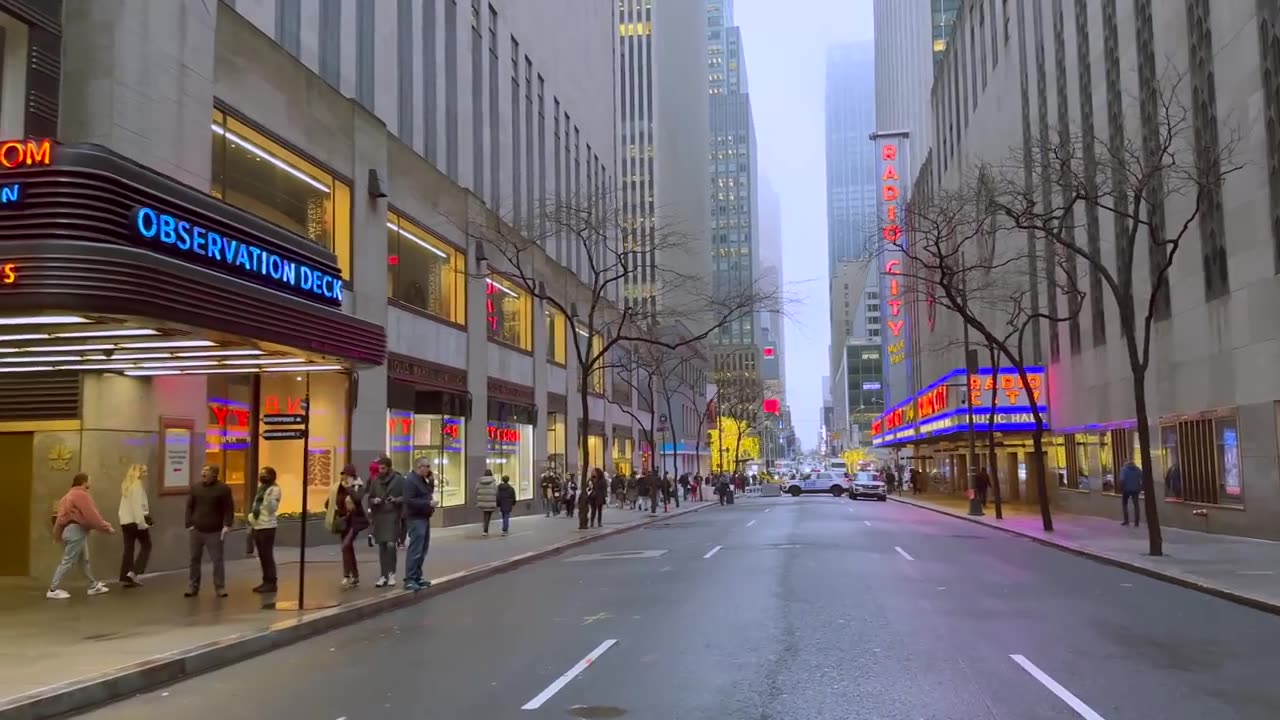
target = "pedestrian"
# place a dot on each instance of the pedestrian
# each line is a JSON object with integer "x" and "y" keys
{"x": 76, "y": 517}
{"x": 599, "y": 498}
{"x": 550, "y": 492}
{"x": 262, "y": 526}
{"x": 618, "y": 488}
{"x": 135, "y": 525}
{"x": 644, "y": 485}
{"x": 684, "y": 485}
{"x": 349, "y": 502}
{"x": 419, "y": 506}
{"x": 982, "y": 483}
{"x": 569, "y": 494}
{"x": 506, "y": 503}
{"x": 914, "y": 475}
{"x": 632, "y": 488}
{"x": 1130, "y": 489}
{"x": 487, "y": 498}
{"x": 211, "y": 510}
{"x": 668, "y": 489}
{"x": 386, "y": 504}
{"x": 723, "y": 489}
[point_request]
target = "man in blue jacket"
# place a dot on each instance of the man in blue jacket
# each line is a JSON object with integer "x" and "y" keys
{"x": 1130, "y": 487}
{"x": 419, "y": 505}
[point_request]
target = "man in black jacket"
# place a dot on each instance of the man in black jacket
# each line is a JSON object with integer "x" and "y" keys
{"x": 210, "y": 513}
{"x": 419, "y": 505}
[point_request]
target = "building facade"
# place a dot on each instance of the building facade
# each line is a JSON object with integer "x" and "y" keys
{"x": 850, "y": 114}
{"x": 1019, "y": 72}
{"x": 262, "y": 161}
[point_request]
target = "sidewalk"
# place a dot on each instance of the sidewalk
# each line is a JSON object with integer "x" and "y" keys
{"x": 1242, "y": 570}
{"x": 59, "y": 656}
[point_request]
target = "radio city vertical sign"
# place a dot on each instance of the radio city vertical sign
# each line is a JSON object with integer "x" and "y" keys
{"x": 893, "y": 170}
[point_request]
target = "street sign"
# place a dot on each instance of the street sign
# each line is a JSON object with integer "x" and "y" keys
{"x": 297, "y": 434}
{"x": 283, "y": 419}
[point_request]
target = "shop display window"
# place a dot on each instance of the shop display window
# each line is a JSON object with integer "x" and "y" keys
{"x": 595, "y": 382}
{"x": 556, "y": 442}
{"x": 510, "y": 453}
{"x": 1202, "y": 461}
{"x": 327, "y": 424}
{"x": 595, "y": 453}
{"x": 508, "y": 313}
{"x": 557, "y": 347}
{"x": 439, "y": 438}
{"x": 259, "y": 175}
{"x": 623, "y": 450}
{"x": 229, "y": 433}
{"x": 424, "y": 272}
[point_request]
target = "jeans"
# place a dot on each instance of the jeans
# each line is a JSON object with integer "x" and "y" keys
{"x": 982, "y": 496}
{"x": 264, "y": 543}
{"x": 506, "y": 520}
{"x": 75, "y": 551}
{"x": 1124, "y": 507}
{"x": 416, "y": 555}
{"x": 488, "y": 516}
{"x": 549, "y": 506}
{"x": 130, "y": 563}
{"x": 350, "y": 568}
{"x": 597, "y": 514}
{"x": 197, "y": 543}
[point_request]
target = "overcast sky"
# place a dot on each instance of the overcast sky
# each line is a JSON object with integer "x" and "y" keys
{"x": 785, "y": 45}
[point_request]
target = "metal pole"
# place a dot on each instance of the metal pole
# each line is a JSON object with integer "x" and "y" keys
{"x": 306, "y": 452}
{"x": 975, "y": 507}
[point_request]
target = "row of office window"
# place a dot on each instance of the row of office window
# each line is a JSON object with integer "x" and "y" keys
{"x": 255, "y": 173}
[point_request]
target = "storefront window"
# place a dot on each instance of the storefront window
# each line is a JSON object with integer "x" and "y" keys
{"x": 256, "y": 174}
{"x": 508, "y": 313}
{"x": 439, "y": 438}
{"x": 229, "y": 434}
{"x": 557, "y": 350}
{"x": 1106, "y": 459}
{"x": 424, "y": 272}
{"x": 1231, "y": 492}
{"x": 623, "y": 450}
{"x": 511, "y": 454}
{"x": 1057, "y": 452}
{"x": 1169, "y": 461}
{"x": 596, "y": 378}
{"x": 556, "y": 442}
{"x": 327, "y": 420}
{"x": 595, "y": 452}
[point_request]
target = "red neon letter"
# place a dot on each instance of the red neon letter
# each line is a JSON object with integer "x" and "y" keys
{"x": 8, "y": 274}
{"x": 891, "y": 267}
{"x": 895, "y": 306}
{"x": 892, "y": 233}
{"x": 889, "y": 152}
{"x": 896, "y": 326}
{"x": 890, "y": 193}
{"x": 889, "y": 173}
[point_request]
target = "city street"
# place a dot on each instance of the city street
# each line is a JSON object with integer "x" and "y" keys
{"x": 776, "y": 608}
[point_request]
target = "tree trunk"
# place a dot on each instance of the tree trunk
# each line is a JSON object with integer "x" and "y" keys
{"x": 1038, "y": 467}
{"x": 1154, "y": 539}
{"x": 584, "y": 430}
{"x": 991, "y": 444}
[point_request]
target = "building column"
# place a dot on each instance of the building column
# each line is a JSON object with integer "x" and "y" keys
{"x": 573, "y": 411}
{"x": 477, "y": 436}
{"x": 540, "y": 342}
{"x": 366, "y": 295}
{"x": 138, "y": 78}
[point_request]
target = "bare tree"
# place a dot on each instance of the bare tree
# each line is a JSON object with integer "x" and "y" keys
{"x": 952, "y": 258}
{"x": 630, "y": 276}
{"x": 1155, "y": 189}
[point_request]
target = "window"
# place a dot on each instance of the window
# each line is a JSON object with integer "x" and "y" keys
{"x": 557, "y": 342}
{"x": 365, "y": 76}
{"x": 517, "y": 198}
{"x": 439, "y": 438}
{"x": 327, "y": 423}
{"x": 258, "y": 175}
{"x": 508, "y": 313}
{"x": 451, "y": 88}
{"x": 424, "y": 272}
{"x": 1202, "y": 461}
{"x": 595, "y": 382}
{"x": 330, "y": 41}
{"x": 429, "y": 103}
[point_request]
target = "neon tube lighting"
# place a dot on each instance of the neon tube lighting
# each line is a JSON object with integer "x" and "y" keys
{"x": 270, "y": 158}
{"x": 128, "y": 356}
{"x": 415, "y": 238}
{"x": 303, "y": 368}
{"x": 99, "y": 366}
{"x": 219, "y": 353}
{"x": 67, "y": 348}
{"x": 502, "y": 287}
{"x": 265, "y": 361}
{"x": 25, "y": 369}
{"x": 43, "y": 320}
{"x": 169, "y": 344}
{"x": 128, "y": 332}
{"x": 28, "y": 336}
{"x": 41, "y": 358}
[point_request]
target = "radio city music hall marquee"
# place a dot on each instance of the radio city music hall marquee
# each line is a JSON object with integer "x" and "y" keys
{"x": 892, "y": 232}
{"x": 944, "y": 405}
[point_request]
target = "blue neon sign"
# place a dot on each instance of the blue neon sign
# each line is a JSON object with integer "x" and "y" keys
{"x": 10, "y": 194}
{"x": 229, "y": 253}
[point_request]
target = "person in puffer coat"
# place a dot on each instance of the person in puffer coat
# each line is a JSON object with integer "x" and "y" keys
{"x": 487, "y": 498}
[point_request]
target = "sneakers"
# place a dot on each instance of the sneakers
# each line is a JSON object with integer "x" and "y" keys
{"x": 391, "y": 579}
{"x": 263, "y": 589}
{"x": 58, "y": 594}
{"x": 222, "y": 592}
{"x": 484, "y": 534}
{"x": 191, "y": 592}
{"x": 346, "y": 582}
{"x": 98, "y": 588}
{"x": 505, "y": 533}
{"x": 382, "y": 581}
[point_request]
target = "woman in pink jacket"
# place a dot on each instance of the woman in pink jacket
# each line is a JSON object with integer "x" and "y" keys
{"x": 77, "y": 516}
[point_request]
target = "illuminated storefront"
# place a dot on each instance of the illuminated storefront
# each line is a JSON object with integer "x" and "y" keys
{"x": 427, "y": 417}
{"x": 557, "y": 412}
{"x": 624, "y": 448}
{"x": 943, "y": 407}
{"x": 161, "y": 321}
{"x": 511, "y": 416}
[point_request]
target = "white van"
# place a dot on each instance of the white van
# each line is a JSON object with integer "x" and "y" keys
{"x": 837, "y": 465}
{"x": 823, "y": 481}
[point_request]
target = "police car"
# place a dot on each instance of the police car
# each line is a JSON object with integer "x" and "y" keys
{"x": 825, "y": 481}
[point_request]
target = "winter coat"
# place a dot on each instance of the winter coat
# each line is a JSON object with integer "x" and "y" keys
{"x": 419, "y": 497}
{"x": 550, "y": 487}
{"x": 385, "y": 516}
{"x": 487, "y": 493}
{"x": 506, "y": 497}
{"x": 354, "y": 515}
{"x": 1130, "y": 478}
{"x": 133, "y": 505}
{"x": 599, "y": 491}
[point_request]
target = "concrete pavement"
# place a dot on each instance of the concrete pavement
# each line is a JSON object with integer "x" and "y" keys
{"x": 811, "y": 608}
{"x": 1243, "y": 570}
{"x": 57, "y": 656}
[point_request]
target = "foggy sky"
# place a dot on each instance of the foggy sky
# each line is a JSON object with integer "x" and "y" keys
{"x": 785, "y": 46}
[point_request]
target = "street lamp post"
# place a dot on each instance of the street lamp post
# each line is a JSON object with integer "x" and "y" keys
{"x": 970, "y": 366}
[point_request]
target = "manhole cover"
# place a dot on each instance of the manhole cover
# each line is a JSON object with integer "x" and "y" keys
{"x": 596, "y": 711}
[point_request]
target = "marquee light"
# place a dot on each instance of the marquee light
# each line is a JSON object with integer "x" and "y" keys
{"x": 26, "y": 153}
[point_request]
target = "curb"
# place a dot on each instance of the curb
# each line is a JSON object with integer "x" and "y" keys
{"x": 108, "y": 686}
{"x": 1249, "y": 601}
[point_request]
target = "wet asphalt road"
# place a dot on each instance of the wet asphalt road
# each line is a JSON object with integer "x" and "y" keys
{"x": 819, "y": 608}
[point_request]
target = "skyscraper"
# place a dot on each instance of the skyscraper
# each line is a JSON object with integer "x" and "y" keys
{"x": 851, "y": 183}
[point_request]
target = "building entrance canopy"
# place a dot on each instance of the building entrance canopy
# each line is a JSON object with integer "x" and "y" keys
{"x": 943, "y": 407}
